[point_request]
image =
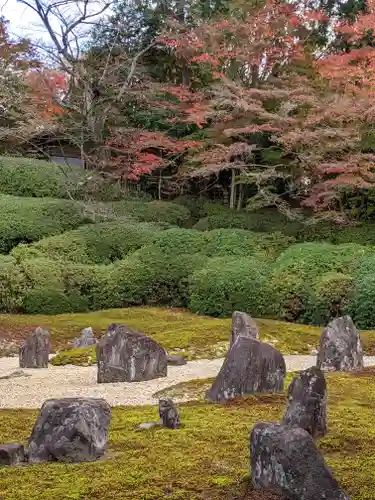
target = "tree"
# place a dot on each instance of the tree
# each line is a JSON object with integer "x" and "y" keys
{"x": 247, "y": 54}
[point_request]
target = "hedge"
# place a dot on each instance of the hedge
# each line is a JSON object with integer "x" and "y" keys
{"x": 152, "y": 211}
{"x": 30, "y": 177}
{"x": 296, "y": 271}
{"x": 226, "y": 284}
{"x": 100, "y": 243}
{"x": 24, "y": 220}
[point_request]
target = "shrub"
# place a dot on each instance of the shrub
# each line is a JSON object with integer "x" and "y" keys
{"x": 330, "y": 298}
{"x": 166, "y": 278}
{"x": 294, "y": 274}
{"x": 84, "y": 356}
{"x": 24, "y": 220}
{"x": 178, "y": 240}
{"x": 221, "y": 242}
{"x": 37, "y": 178}
{"x": 153, "y": 211}
{"x": 226, "y": 284}
{"x": 13, "y": 287}
{"x": 95, "y": 243}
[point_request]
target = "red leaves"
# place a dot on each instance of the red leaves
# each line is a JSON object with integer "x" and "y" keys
{"x": 46, "y": 86}
{"x": 135, "y": 153}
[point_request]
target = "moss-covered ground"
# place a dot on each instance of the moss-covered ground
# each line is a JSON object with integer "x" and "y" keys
{"x": 177, "y": 330}
{"x": 207, "y": 458}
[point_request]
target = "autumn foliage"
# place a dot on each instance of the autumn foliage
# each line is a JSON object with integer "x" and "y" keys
{"x": 134, "y": 153}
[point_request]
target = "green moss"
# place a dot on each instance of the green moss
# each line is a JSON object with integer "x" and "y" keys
{"x": 207, "y": 458}
{"x": 197, "y": 337}
{"x": 84, "y": 356}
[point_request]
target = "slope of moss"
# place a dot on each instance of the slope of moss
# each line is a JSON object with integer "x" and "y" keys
{"x": 177, "y": 330}
{"x": 207, "y": 458}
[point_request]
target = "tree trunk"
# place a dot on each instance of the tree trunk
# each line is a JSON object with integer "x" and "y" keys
{"x": 233, "y": 190}
{"x": 240, "y": 196}
{"x": 159, "y": 185}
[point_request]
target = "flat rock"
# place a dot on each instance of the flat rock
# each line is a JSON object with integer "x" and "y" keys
{"x": 34, "y": 352}
{"x": 70, "y": 430}
{"x": 124, "y": 355}
{"x": 176, "y": 360}
{"x": 15, "y": 374}
{"x": 87, "y": 338}
{"x": 307, "y": 402}
{"x": 250, "y": 366}
{"x": 287, "y": 459}
{"x": 243, "y": 325}
{"x": 146, "y": 426}
{"x": 340, "y": 347}
{"x": 12, "y": 454}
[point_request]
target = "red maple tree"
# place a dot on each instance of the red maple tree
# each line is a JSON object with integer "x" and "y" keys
{"x": 134, "y": 153}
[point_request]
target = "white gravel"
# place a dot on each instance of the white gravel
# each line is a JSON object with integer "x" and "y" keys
{"x": 75, "y": 381}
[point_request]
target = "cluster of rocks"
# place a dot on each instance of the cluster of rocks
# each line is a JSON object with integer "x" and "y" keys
{"x": 123, "y": 355}
{"x": 66, "y": 430}
{"x": 284, "y": 456}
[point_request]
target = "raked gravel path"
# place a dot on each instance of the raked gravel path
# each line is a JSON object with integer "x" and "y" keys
{"x": 75, "y": 381}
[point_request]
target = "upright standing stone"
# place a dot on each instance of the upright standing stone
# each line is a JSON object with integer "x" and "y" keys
{"x": 307, "y": 402}
{"x": 249, "y": 367}
{"x": 70, "y": 430}
{"x": 168, "y": 413}
{"x": 86, "y": 339}
{"x": 340, "y": 347}
{"x": 34, "y": 352}
{"x": 243, "y": 325}
{"x": 288, "y": 460}
{"x": 124, "y": 355}
{"x": 12, "y": 454}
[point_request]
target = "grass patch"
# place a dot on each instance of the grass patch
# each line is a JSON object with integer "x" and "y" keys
{"x": 207, "y": 458}
{"x": 180, "y": 332}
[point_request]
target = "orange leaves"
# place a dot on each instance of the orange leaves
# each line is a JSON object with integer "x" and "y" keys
{"x": 46, "y": 87}
{"x": 136, "y": 153}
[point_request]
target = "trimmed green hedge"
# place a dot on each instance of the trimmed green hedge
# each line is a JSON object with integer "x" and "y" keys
{"x": 24, "y": 220}
{"x": 152, "y": 211}
{"x": 227, "y": 284}
{"x": 30, "y": 177}
{"x": 100, "y": 243}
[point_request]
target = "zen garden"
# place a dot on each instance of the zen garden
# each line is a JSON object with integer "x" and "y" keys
{"x": 187, "y": 250}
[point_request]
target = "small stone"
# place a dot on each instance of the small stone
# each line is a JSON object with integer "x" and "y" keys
{"x": 243, "y": 325}
{"x": 34, "y": 352}
{"x": 149, "y": 425}
{"x": 124, "y": 355}
{"x": 87, "y": 338}
{"x": 169, "y": 413}
{"x": 176, "y": 360}
{"x": 288, "y": 459}
{"x": 12, "y": 454}
{"x": 70, "y": 430}
{"x": 340, "y": 347}
{"x": 250, "y": 366}
{"x": 15, "y": 374}
{"x": 307, "y": 402}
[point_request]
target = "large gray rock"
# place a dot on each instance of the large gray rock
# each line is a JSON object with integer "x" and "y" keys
{"x": 340, "y": 347}
{"x": 124, "y": 355}
{"x": 87, "y": 338}
{"x": 12, "y": 454}
{"x": 70, "y": 430}
{"x": 243, "y": 325}
{"x": 307, "y": 402}
{"x": 249, "y": 367}
{"x": 168, "y": 413}
{"x": 34, "y": 352}
{"x": 287, "y": 459}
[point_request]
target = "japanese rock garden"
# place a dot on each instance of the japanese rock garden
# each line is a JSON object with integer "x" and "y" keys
{"x": 187, "y": 250}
